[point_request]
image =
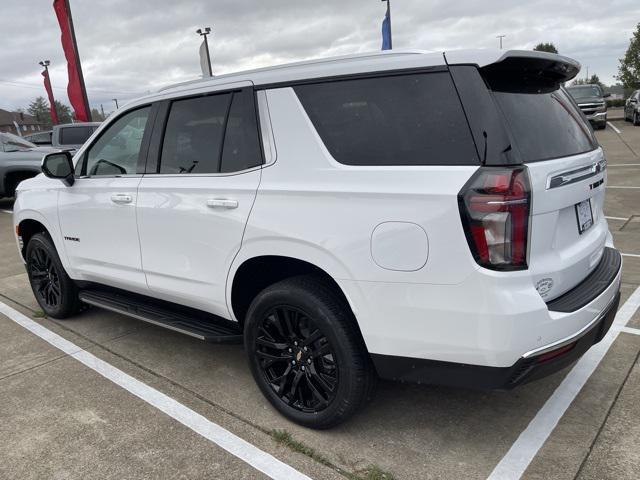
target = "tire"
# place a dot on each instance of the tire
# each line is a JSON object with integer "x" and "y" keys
{"x": 636, "y": 119}
{"x": 311, "y": 333}
{"x": 55, "y": 292}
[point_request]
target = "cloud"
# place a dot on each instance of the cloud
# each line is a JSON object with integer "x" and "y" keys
{"x": 129, "y": 48}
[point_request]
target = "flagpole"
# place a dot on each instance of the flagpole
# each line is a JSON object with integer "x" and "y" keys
{"x": 83, "y": 89}
{"x": 45, "y": 64}
{"x": 389, "y": 14}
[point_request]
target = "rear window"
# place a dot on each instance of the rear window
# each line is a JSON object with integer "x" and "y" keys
{"x": 545, "y": 125}
{"x": 75, "y": 135}
{"x": 413, "y": 119}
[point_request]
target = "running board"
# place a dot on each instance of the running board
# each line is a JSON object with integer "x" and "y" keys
{"x": 195, "y": 323}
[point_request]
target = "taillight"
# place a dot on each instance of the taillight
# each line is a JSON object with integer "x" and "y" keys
{"x": 494, "y": 207}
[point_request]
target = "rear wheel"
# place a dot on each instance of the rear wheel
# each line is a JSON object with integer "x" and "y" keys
{"x": 636, "y": 119}
{"x": 306, "y": 353}
{"x": 55, "y": 292}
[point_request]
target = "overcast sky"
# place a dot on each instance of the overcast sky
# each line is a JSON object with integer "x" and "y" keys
{"x": 129, "y": 47}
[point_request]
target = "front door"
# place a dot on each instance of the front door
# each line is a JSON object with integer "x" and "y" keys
{"x": 194, "y": 205}
{"x": 97, "y": 213}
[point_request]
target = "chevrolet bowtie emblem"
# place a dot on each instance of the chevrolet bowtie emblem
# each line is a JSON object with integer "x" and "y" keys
{"x": 298, "y": 356}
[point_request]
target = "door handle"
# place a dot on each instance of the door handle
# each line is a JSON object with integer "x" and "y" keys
{"x": 121, "y": 198}
{"x": 222, "y": 203}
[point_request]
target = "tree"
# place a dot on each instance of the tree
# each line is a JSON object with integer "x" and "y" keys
{"x": 64, "y": 112}
{"x": 96, "y": 116}
{"x": 546, "y": 47}
{"x": 594, "y": 79}
{"x": 629, "y": 69}
{"x": 39, "y": 108}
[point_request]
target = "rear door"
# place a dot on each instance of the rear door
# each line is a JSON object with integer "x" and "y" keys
{"x": 195, "y": 199}
{"x": 546, "y": 131}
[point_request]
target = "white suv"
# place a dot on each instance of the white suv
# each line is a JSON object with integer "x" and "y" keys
{"x": 416, "y": 216}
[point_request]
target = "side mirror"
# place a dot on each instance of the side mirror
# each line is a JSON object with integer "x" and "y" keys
{"x": 633, "y": 100}
{"x": 59, "y": 165}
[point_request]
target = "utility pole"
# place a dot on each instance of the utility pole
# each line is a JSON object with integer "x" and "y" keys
{"x": 45, "y": 64}
{"x": 204, "y": 33}
{"x": 115, "y": 100}
{"x": 500, "y": 37}
{"x": 102, "y": 110}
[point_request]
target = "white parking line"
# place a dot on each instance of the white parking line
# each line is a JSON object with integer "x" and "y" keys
{"x": 630, "y": 255}
{"x": 233, "y": 444}
{"x": 624, "y": 219}
{"x": 623, "y": 165}
{"x": 527, "y": 445}
{"x": 635, "y": 331}
{"x": 619, "y": 186}
{"x": 615, "y": 129}
{"x": 6, "y": 211}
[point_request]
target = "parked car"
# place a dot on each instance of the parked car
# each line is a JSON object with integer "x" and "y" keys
{"x": 71, "y": 136}
{"x": 19, "y": 160}
{"x": 632, "y": 108}
{"x": 433, "y": 218}
{"x": 40, "y": 138}
{"x": 591, "y": 100}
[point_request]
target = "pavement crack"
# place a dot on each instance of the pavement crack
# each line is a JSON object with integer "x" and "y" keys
{"x": 34, "y": 367}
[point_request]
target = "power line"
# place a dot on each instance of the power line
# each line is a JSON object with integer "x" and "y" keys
{"x": 35, "y": 85}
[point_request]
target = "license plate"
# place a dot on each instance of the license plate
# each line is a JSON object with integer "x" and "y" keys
{"x": 584, "y": 215}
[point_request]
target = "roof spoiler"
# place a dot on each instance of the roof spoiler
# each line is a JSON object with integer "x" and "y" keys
{"x": 523, "y": 71}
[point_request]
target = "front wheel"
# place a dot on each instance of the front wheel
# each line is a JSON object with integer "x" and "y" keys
{"x": 636, "y": 119}
{"x": 55, "y": 292}
{"x": 306, "y": 353}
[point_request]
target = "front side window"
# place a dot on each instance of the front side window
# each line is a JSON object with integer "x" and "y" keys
{"x": 413, "y": 119}
{"x": 117, "y": 150}
{"x": 194, "y": 134}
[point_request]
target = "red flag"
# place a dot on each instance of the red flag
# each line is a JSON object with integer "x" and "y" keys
{"x": 75, "y": 88}
{"x": 47, "y": 86}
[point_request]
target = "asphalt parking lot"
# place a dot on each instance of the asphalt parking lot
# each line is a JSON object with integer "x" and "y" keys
{"x": 64, "y": 418}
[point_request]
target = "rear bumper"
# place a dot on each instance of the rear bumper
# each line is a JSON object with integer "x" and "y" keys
{"x": 530, "y": 367}
{"x": 597, "y": 296}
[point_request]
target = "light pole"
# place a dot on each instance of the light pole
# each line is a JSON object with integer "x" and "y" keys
{"x": 45, "y": 64}
{"x": 500, "y": 37}
{"x": 115, "y": 100}
{"x": 204, "y": 33}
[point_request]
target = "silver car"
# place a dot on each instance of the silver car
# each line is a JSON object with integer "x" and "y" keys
{"x": 19, "y": 160}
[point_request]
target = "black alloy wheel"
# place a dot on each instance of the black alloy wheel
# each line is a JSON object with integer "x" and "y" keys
{"x": 296, "y": 359}
{"x": 56, "y": 293}
{"x": 45, "y": 277}
{"x": 306, "y": 352}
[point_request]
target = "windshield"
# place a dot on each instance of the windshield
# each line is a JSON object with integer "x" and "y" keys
{"x": 585, "y": 91}
{"x": 11, "y": 142}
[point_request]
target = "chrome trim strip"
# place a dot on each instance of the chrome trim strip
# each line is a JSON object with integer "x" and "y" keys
{"x": 576, "y": 336}
{"x": 576, "y": 175}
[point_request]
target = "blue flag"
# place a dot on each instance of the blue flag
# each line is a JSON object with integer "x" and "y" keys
{"x": 386, "y": 31}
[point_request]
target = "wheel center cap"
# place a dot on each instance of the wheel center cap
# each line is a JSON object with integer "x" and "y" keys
{"x": 298, "y": 355}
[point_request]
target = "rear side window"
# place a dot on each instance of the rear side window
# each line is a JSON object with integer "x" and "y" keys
{"x": 193, "y": 136}
{"x": 241, "y": 141}
{"x": 75, "y": 135}
{"x": 413, "y": 119}
{"x": 545, "y": 125}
